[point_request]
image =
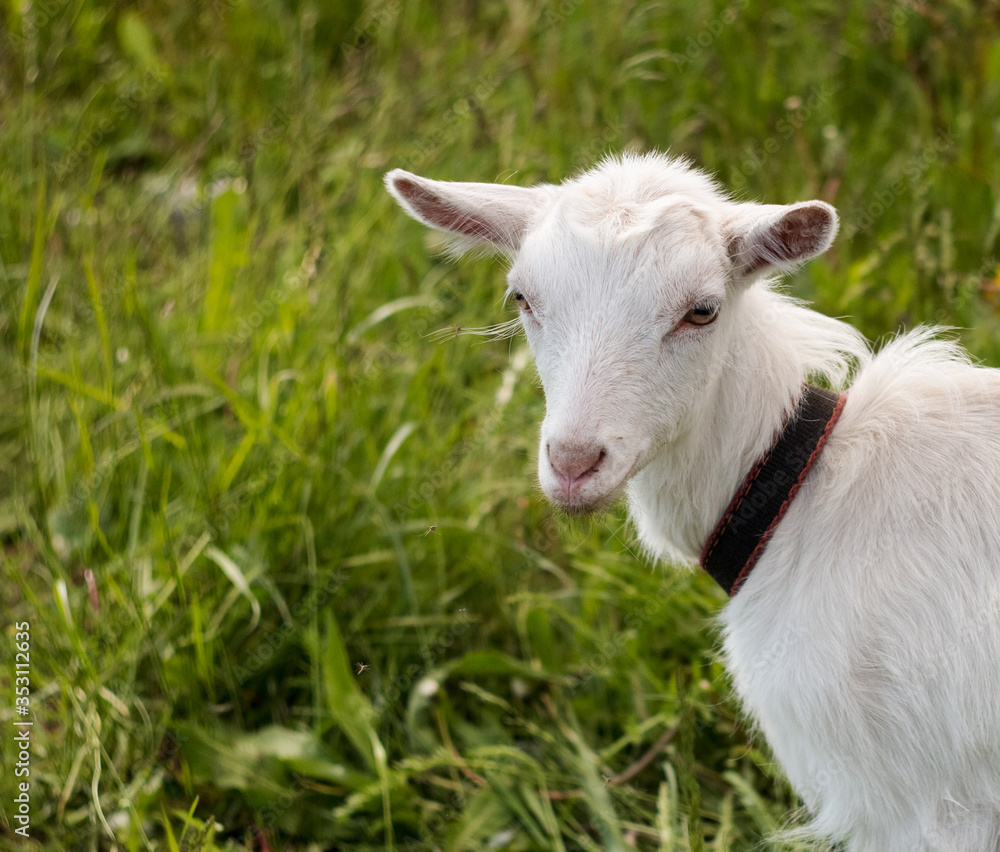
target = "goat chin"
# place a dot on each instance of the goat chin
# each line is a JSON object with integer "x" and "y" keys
{"x": 581, "y": 508}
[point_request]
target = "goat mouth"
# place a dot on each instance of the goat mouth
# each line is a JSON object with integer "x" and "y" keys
{"x": 577, "y": 505}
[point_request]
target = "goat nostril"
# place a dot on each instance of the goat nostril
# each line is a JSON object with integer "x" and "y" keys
{"x": 573, "y": 462}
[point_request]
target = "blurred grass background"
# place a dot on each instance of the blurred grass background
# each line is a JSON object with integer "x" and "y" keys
{"x": 289, "y": 578}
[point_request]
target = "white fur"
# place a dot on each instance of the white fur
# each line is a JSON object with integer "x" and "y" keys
{"x": 866, "y": 642}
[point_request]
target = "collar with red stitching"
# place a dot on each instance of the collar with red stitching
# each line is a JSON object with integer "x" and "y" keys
{"x": 765, "y": 495}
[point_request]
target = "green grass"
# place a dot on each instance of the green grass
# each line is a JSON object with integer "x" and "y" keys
{"x": 227, "y": 429}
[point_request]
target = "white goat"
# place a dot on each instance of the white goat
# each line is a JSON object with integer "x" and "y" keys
{"x": 866, "y": 641}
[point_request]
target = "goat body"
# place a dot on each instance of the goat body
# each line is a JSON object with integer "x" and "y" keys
{"x": 866, "y": 641}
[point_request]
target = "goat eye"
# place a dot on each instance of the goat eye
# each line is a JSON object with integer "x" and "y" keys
{"x": 522, "y": 303}
{"x": 703, "y": 313}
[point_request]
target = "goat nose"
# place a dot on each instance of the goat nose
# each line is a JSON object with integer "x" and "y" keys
{"x": 574, "y": 461}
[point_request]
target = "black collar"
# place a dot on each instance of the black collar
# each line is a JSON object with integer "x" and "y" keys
{"x": 761, "y": 502}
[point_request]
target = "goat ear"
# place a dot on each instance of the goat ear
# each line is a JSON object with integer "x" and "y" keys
{"x": 472, "y": 213}
{"x": 766, "y": 238}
